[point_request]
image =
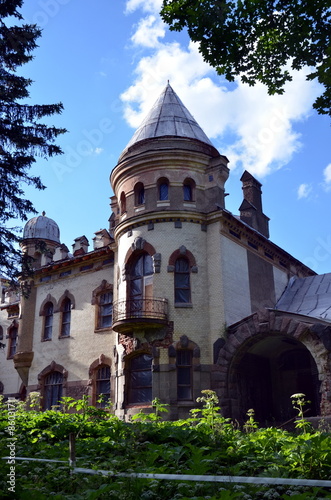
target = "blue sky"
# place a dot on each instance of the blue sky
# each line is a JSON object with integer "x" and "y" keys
{"x": 108, "y": 61}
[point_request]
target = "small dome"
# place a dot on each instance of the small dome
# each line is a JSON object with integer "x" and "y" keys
{"x": 42, "y": 228}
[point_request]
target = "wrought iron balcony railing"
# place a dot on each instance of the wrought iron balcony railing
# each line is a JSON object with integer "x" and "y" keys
{"x": 149, "y": 310}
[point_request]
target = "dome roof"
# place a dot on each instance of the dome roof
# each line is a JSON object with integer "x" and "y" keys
{"x": 42, "y": 228}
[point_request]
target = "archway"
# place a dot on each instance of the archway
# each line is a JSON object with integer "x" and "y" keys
{"x": 267, "y": 357}
{"x": 267, "y": 371}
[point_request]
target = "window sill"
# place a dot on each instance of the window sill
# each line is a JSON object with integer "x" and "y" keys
{"x": 140, "y": 208}
{"x": 108, "y": 329}
{"x": 46, "y": 340}
{"x": 130, "y": 406}
{"x": 64, "y": 337}
{"x": 184, "y": 305}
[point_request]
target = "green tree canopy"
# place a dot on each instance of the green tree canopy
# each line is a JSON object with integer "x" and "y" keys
{"x": 22, "y": 136}
{"x": 259, "y": 40}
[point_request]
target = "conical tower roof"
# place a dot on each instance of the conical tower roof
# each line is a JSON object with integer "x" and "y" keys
{"x": 168, "y": 117}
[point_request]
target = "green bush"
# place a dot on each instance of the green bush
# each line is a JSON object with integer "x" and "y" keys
{"x": 205, "y": 444}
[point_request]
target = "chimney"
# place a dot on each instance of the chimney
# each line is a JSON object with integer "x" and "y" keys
{"x": 251, "y": 208}
{"x": 102, "y": 239}
{"x": 61, "y": 252}
{"x": 80, "y": 246}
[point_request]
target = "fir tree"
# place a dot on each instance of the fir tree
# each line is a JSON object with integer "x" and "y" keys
{"x": 22, "y": 136}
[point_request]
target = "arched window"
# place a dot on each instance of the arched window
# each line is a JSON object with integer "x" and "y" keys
{"x": 102, "y": 386}
{"x": 184, "y": 374}
{"x": 66, "y": 317}
{"x": 140, "y": 379}
{"x": 105, "y": 309}
{"x": 52, "y": 390}
{"x": 188, "y": 189}
{"x": 123, "y": 203}
{"x": 139, "y": 192}
{"x": 141, "y": 282}
{"x": 48, "y": 321}
{"x": 163, "y": 189}
{"x": 13, "y": 336}
{"x": 182, "y": 281}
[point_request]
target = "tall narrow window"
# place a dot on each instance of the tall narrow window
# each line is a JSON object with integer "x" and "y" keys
{"x": 187, "y": 192}
{"x": 141, "y": 283}
{"x": 66, "y": 318}
{"x": 13, "y": 335}
{"x": 140, "y": 379}
{"x": 182, "y": 281}
{"x": 139, "y": 192}
{"x": 102, "y": 390}
{"x": 163, "y": 190}
{"x": 141, "y": 196}
{"x": 53, "y": 384}
{"x": 48, "y": 324}
{"x": 123, "y": 203}
{"x": 184, "y": 374}
{"x": 105, "y": 310}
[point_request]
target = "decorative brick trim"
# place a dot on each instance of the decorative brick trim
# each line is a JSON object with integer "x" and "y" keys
{"x": 49, "y": 298}
{"x": 139, "y": 244}
{"x": 65, "y": 295}
{"x": 104, "y": 287}
{"x": 102, "y": 360}
{"x": 182, "y": 252}
{"x": 53, "y": 367}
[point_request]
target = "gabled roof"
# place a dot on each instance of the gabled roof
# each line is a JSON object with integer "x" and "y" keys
{"x": 168, "y": 117}
{"x": 309, "y": 296}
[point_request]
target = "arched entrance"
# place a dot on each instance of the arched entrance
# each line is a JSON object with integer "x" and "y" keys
{"x": 267, "y": 357}
{"x": 268, "y": 371}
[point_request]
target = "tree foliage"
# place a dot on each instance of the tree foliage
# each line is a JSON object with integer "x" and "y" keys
{"x": 22, "y": 136}
{"x": 259, "y": 40}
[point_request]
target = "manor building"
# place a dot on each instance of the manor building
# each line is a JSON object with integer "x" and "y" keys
{"x": 177, "y": 295}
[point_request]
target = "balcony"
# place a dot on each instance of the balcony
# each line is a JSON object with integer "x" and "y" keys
{"x": 142, "y": 314}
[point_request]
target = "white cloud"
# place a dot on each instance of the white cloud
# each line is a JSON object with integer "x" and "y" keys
{"x": 97, "y": 151}
{"x": 149, "y": 6}
{"x": 260, "y": 126}
{"x": 303, "y": 191}
{"x": 327, "y": 176}
{"x": 149, "y": 30}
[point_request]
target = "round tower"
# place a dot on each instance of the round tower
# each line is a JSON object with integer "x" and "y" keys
{"x": 168, "y": 186}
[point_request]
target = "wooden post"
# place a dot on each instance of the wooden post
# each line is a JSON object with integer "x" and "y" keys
{"x": 72, "y": 449}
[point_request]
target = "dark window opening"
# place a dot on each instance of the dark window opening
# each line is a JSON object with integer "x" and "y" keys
{"x": 182, "y": 281}
{"x": 48, "y": 324}
{"x": 102, "y": 392}
{"x": 106, "y": 310}
{"x": 187, "y": 192}
{"x": 13, "y": 335}
{"x": 163, "y": 191}
{"x": 184, "y": 374}
{"x": 140, "y": 379}
{"x": 53, "y": 384}
{"x": 66, "y": 318}
{"x": 123, "y": 203}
